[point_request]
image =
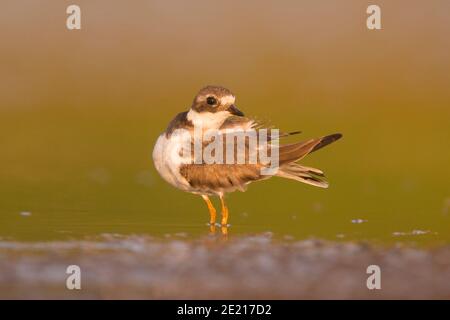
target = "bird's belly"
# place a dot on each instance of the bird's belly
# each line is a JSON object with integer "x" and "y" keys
{"x": 167, "y": 160}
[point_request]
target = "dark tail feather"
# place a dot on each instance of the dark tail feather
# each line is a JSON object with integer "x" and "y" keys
{"x": 326, "y": 141}
{"x": 296, "y": 151}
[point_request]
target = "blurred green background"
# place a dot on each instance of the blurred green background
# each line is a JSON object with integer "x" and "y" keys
{"x": 81, "y": 110}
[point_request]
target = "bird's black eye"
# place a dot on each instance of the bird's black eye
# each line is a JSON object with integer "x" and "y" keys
{"x": 211, "y": 101}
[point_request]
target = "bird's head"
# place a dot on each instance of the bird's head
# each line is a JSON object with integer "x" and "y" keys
{"x": 215, "y": 99}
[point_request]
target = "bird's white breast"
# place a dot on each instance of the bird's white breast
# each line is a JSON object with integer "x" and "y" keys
{"x": 207, "y": 120}
{"x": 168, "y": 158}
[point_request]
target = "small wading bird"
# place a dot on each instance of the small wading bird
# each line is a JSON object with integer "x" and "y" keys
{"x": 213, "y": 109}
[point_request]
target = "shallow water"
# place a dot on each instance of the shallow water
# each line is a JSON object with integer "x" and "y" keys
{"x": 68, "y": 174}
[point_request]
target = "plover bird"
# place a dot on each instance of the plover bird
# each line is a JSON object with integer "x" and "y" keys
{"x": 213, "y": 116}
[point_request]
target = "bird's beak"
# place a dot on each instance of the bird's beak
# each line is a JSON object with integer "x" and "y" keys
{"x": 233, "y": 110}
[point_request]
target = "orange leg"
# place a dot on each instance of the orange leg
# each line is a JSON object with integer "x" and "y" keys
{"x": 212, "y": 210}
{"x": 224, "y": 212}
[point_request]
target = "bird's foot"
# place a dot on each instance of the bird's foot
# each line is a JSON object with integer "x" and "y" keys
{"x": 226, "y": 225}
{"x": 224, "y": 230}
{"x": 212, "y": 227}
{"x": 223, "y": 227}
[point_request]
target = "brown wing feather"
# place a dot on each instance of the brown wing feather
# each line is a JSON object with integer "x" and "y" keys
{"x": 220, "y": 177}
{"x": 214, "y": 178}
{"x": 297, "y": 151}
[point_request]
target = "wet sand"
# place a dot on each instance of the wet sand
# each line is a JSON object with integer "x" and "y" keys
{"x": 213, "y": 267}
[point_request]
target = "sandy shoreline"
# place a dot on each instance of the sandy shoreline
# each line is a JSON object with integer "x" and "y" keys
{"x": 257, "y": 267}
